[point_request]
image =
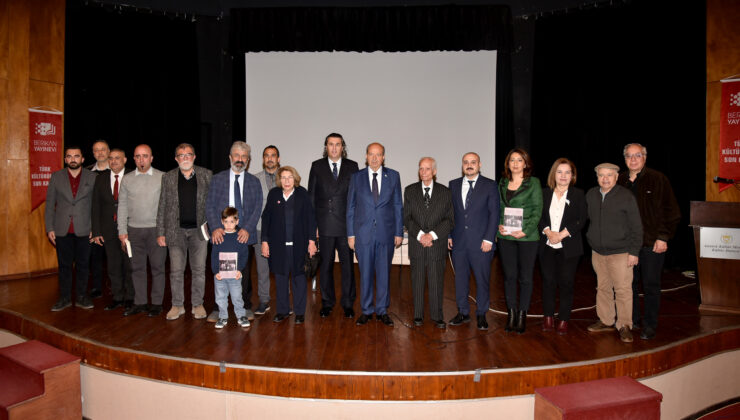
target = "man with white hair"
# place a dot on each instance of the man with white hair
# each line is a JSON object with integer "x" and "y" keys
{"x": 615, "y": 236}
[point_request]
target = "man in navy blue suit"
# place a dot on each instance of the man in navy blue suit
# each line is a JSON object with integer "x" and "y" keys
{"x": 374, "y": 229}
{"x": 476, "y": 204}
{"x": 236, "y": 188}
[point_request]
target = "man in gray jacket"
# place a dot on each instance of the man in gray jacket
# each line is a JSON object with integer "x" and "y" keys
{"x": 180, "y": 227}
{"x": 615, "y": 236}
{"x": 67, "y": 219}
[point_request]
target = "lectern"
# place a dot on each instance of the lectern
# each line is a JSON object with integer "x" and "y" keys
{"x": 719, "y": 279}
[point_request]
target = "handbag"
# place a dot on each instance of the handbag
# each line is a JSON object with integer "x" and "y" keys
{"x": 311, "y": 264}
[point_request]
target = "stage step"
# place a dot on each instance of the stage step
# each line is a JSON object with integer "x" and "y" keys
{"x": 39, "y": 381}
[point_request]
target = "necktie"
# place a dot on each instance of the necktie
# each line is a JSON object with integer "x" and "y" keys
{"x": 427, "y": 198}
{"x": 469, "y": 194}
{"x": 376, "y": 191}
{"x": 115, "y": 197}
{"x": 335, "y": 171}
{"x": 237, "y": 193}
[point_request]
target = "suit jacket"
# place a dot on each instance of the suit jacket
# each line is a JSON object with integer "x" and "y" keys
{"x": 61, "y": 207}
{"x": 168, "y": 213}
{"x": 480, "y": 220}
{"x": 574, "y": 219}
{"x": 273, "y": 229}
{"x": 329, "y": 195}
{"x": 104, "y": 207}
{"x": 262, "y": 178}
{"x": 528, "y": 197}
{"x": 372, "y": 222}
{"x": 438, "y": 217}
{"x": 218, "y": 200}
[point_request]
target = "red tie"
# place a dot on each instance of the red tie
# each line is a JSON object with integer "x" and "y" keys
{"x": 115, "y": 197}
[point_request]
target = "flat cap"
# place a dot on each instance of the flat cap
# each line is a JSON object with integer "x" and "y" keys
{"x": 606, "y": 165}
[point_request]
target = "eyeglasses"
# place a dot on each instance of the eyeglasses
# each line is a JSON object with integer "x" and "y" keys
{"x": 636, "y": 156}
{"x": 285, "y": 178}
{"x": 185, "y": 155}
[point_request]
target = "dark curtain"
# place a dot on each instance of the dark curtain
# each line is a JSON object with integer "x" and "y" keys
{"x": 364, "y": 29}
{"x": 131, "y": 78}
{"x": 610, "y": 76}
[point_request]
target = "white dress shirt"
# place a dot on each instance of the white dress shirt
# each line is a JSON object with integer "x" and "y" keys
{"x": 380, "y": 178}
{"x": 423, "y": 191}
{"x": 232, "y": 177}
{"x": 466, "y": 187}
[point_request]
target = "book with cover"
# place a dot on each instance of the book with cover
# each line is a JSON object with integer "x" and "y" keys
{"x": 513, "y": 218}
{"x": 227, "y": 264}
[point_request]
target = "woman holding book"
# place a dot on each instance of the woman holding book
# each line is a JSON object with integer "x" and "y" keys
{"x": 288, "y": 232}
{"x": 563, "y": 216}
{"x": 521, "y": 209}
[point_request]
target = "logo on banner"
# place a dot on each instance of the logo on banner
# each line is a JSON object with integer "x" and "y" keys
{"x": 735, "y": 99}
{"x": 727, "y": 239}
{"x": 45, "y": 129}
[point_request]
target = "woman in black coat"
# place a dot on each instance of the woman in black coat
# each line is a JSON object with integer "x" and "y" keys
{"x": 563, "y": 216}
{"x": 288, "y": 232}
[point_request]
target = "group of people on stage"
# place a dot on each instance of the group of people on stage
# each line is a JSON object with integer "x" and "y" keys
{"x": 139, "y": 215}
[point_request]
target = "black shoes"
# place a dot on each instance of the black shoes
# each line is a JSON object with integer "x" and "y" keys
{"x": 280, "y": 317}
{"x": 418, "y": 322}
{"x": 95, "y": 293}
{"x": 84, "y": 302}
{"x": 362, "y": 320}
{"x": 521, "y": 322}
{"x": 135, "y": 309}
{"x": 325, "y": 311}
{"x": 113, "y": 305}
{"x": 648, "y": 333}
{"x": 385, "y": 319}
{"x": 62, "y": 303}
{"x": 349, "y": 313}
{"x": 127, "y": 304}
{"x": 155, "y": 310}
{"x": 300, "y": 319}
{"x": 439, "y": 323}
{"x": 482, "y": 323}
{"x": 510, "y": 320}
{"x": 459, "y": 319}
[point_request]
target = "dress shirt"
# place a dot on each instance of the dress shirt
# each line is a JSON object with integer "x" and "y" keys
{"x": 113, "y": 180}
{"x": 466, "y": 186}
{"x": 431, "y": 232}
{"x": 557, "y": 207}
{"x": 339, "y": 166}
{"x": 380, "y": 179}
{"x": 231, "y": 186}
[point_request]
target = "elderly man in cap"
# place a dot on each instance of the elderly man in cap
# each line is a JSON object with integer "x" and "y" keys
{"x": 615, "y": 236}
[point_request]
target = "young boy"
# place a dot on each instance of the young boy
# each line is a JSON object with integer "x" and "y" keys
{"x": 228, "y": 259}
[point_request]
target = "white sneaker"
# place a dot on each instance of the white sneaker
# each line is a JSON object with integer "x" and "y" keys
{"x": 222, "y": 323}
{"x": 243, "y": 322}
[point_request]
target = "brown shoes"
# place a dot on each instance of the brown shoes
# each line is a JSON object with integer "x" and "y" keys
{"x": 625, "y": 334}
{"x": 599, "y": 326}
{"x": 175, "y": 313}
{"x": 199, "y": 312}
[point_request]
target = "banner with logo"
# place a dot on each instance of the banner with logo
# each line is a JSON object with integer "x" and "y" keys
{"x": 729, "y": 132}
{"x": 722, "y": 243}
{"x": 44, "y": 149}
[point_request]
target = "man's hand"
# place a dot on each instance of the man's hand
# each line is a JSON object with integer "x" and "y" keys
{"x": 242, "y": 236}
{"x": 98, "y": 240}
{"x": 161, "y": 241}
{"x": 660, "y": 246}
{"x": 397, "y": 240}
{"x": 632, "y": 260}
{"x": 485, "y": 246}
{"x": 351, "y": 242}
{"x": 123, "y": 239}
{"x": 426, "y": 240}
{"x": 52, "y": 237}
{"x": 217, "y": 236}
{"x": 311, "y": 248}
{"x": 449, "y": 244}
{"x": 265, "y": 250}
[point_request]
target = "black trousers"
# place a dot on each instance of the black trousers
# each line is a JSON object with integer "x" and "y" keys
{"x": 119, "y": 269}
{"x": 247, "y": 280}
{"x": 73, "y": 253}
{"x": 96, "y": 265}
{"x": 434, "y": 271}
{"x": 327, "y": 245}
{"x": 517, "y": 259}
{"x": 647, "y": 274}
{"x": 558, "y": 273}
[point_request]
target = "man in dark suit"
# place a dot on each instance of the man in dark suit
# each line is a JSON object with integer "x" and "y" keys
{"x": 101, "y": 153}
{"x": 476, "y": 204}
{"x": 67, "y": 219}
{"x": 105, "y": 229}
{"x": 374, "y": 229}
{"x": 236, "y": 188}
{"x": 428, "y": 216}
{"x": 328, "y": 184}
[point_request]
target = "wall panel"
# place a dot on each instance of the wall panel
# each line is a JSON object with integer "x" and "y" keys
{"x": 47, "y": 40}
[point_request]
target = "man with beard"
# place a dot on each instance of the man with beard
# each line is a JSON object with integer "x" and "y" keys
{"x": 137, "y": 224}
{"x": 236, "y": 188}
{"x": 270, "y": 165}
{"x": 328, "y": 183}
{"x": 101, "y": 152}
{"x": 180, "y": 217}
{"x": 67, "y": 219}
{"x": 105, "y": 230}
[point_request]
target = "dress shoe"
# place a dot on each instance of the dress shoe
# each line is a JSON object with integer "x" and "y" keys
{"x": 127, "y": 304}
{"x": 113, "y": 305}
{"x": 599, "y": 326}
{"x": 62, "y": 303}
{"x": 647, "y": 333}
{"x": 521, "y": 322}
{"x": 562, "y": 327}
{"x": 362, "y": 320}
{"x": 155, "y": 310}
{"x": 325, "y": 311}
{"x": 510, "y": 320}
{"x": 175, "y": 313}
{"x": 385, "y": 319}
{"x": 213, "y": 316}
{"x": 135, "y": 309}
{"x": 548, "y": 323}
{"x": 300, "y": 319}
{"x": 95, "y": 293}
{"x": 280, "y": 317}
{"x": 439, "y": 323}
{"x": 84, "y": 302}
{"x": 349, "y": 313}
{"x": 199, "y": 312}
{"x": 418, "y": 322}
{"x": 459, "y": 319}
{"x": 625, "y": 334}
{"x": 482, "y": 323}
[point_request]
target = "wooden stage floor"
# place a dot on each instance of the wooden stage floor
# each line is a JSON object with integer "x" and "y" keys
{"x": 334, "y": 358}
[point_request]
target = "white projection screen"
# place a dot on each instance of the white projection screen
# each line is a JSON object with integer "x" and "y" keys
{"x": 439, "y": 104}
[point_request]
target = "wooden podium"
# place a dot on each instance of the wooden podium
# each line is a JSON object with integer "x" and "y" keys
{"x": 719, "y": 279}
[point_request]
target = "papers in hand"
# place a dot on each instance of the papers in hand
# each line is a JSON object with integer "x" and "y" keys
{"x": 128, "y": 249}
{"x": 204, "y": 231}
{"x": 513, "y": 218}
{"x": 227, "y": 264}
